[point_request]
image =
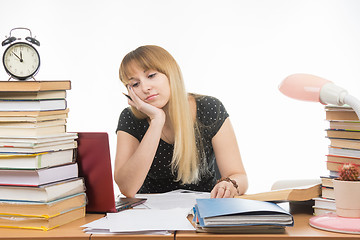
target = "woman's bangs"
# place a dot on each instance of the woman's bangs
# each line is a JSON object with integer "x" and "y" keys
{"x": 139, "y": 63}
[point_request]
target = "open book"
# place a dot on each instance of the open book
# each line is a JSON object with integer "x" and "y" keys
{"x": 289, "y": 190}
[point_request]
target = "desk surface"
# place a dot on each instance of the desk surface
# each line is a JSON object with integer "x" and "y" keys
{"x": 301, "y": 230}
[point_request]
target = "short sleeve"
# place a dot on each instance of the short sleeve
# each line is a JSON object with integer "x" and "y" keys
{"x": 130, "y": 124}
{"x": 211, "y": 114}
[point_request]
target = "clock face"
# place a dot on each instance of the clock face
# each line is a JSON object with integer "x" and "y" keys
{"x": 21, "y": 60}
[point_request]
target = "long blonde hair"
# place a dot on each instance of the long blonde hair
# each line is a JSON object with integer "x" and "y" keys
{"x": 185, "y": 157}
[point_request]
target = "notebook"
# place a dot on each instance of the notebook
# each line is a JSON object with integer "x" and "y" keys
{"x": 93, "y": 158}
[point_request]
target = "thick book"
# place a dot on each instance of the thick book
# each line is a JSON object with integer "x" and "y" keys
{"x": 33, "y": 105}
{"x": 221, "y": 212}
{"x": 36, "y": 160}
{"x": 324, "y": 205}
{"x": 48, "y": 123}
{"x": 32, "y": 86}
{"x": 336, "y": 166}
{"x": 23, "y": 141}
{"x": 328, "y": 192}
{"x": 38, "y": 177}
{"x": 341, "y": 114}
{"x": 342, "y": 160}
{"x": 322, "y": 211}
{"x": 327, "y": 181}
{"x": 39, "y": 209}
{"x": 32, "y": 132}
{"x": 43, "y": 193}
{"x": 42, "y": 223}
{"x": 344, "y": 152}
{"x": 33, "y": 119}
{"x": 301, "y": 190}
{"x": 345, "y": 125}
{"x": 333, "y": 166}
{"x": 345, "y": 143}
{"x": 340, "y": 133}
{"x": 33, "y": 95}
{"x": 33, "y": 116}
{"x": 51, "y": 147}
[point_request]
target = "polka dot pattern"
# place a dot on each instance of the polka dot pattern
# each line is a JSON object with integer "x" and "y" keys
{"x": 211, "y": 114}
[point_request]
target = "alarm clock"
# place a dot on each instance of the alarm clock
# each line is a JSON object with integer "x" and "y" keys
{"x": 21, "y": 60}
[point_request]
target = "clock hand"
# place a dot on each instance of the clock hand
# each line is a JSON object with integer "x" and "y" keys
{"x": 21, "y": 57}
{"x": 17, "y": 56}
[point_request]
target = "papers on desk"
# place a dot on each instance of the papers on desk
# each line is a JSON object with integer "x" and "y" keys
{"x": 174, "y": 199}
{"x": 150, "y": 220}
{"x": 142, "y": 221}
{"x": 161, "y": 214}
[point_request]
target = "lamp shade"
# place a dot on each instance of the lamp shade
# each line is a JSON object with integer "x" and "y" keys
{"x": 308, "y": 87}
{"x": 304, "y": 87}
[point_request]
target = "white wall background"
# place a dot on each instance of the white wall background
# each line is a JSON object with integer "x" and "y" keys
{"x": 236, "y": 50}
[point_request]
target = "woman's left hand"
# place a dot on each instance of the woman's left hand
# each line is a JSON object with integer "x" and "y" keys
{"x": 223, "y": 190}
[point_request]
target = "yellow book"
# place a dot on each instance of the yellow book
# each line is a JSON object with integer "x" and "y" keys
{"x": 41, "y": 223}
{"x": 36, "y": 160}
{"x": 42, "y": 209}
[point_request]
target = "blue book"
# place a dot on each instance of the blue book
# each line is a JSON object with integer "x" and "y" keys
{"x": 217, "y": 212}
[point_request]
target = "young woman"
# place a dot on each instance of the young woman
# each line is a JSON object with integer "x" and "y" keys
{"x": 169, "y": 139}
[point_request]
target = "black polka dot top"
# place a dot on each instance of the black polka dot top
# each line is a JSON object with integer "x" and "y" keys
{"x": 211, "y": 114}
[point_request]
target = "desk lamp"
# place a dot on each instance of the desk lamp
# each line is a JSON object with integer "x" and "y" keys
{"x": 308, "y": 87}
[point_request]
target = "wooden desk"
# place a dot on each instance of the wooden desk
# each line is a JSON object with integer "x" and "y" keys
{"x": 300, "y": 230}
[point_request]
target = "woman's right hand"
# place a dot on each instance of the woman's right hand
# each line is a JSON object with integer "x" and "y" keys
{"x": 151, "y": 111}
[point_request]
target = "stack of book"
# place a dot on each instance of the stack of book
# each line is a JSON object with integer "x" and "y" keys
{"x": 344, "y": 137}
{"x": 39, "y": 183}
{"x": 235, "y": 215}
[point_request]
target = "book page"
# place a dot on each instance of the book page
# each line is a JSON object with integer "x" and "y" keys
{"x": 294, "y": 183}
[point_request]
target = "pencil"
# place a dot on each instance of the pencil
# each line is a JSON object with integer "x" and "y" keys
{"x": 127, "y": 96}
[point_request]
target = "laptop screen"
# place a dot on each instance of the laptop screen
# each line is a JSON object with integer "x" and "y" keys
{"x": 93, "y": 157}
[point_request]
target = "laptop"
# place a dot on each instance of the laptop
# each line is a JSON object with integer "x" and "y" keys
{"x": 93, "y": 158}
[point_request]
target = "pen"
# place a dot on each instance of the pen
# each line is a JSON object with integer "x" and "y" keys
{"x": 127, "y": 96}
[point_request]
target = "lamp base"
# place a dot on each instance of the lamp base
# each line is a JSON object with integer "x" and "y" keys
{"x": 334, "y": 223}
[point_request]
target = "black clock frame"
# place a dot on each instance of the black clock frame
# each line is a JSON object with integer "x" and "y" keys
{"x": 21, "y": 77}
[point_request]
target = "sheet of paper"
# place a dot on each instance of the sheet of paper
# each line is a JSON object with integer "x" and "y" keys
{"x": 102, "y": 226}
{"x": 107, "y": 231}
{"x": 101, "y": 223}
{"x": 173, "y": 199}
{"x": 149, "y": 220}
{"x": 294, "y": 183}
